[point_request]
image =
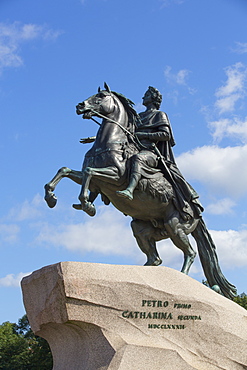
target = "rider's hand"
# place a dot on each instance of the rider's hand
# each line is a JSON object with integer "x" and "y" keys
{"x": 87, "y": 140}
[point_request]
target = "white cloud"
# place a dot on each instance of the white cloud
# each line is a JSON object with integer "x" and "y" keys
{"x": 241, "y": 47}
{"x": 222, "y": 120}
{"x": 8, "y": 56}
{"x": 233, "y": 90}
{"x": 231, "y": 246}
{"x": 170, "y": 254}
{"x": 227, "y": 103}
{"x": 12, "y": 280}
{"x": 170, "y": 2}
{"x": 236, "y": 76}
{"x": 179, "y": 78}
{"x": 221, "y": 169}
{"x": 12, "y": 36}
{"x": 182, "y": 76}
{"x": 28, "y": 32}
{"x": 231, "y": 128}
{"x": 221, "y": 207}
{"x": 219, "y": 128}
{"x": 27, "y": 209}
{"x": 108, "y": 233}
{"x": 8, "y": 233}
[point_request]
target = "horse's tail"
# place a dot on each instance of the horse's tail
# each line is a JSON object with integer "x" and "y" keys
{"x": 209, "y": 261}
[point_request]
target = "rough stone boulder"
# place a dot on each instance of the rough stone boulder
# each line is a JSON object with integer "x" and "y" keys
{"x": 98, "y": 316}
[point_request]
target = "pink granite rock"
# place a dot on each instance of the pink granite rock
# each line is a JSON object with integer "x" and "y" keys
{"x": 113, "y": 317}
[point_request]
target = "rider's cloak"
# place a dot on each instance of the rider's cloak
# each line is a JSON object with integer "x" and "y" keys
{"x": 157, "y": 125}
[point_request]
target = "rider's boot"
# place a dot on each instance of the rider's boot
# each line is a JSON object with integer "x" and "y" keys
{"x": 128, "y": 192}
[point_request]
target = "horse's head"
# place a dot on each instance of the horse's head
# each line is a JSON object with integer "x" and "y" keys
{"x": 100, "y": 103}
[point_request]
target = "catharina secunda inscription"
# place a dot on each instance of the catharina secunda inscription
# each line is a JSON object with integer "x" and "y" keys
{"x": 166, "y": 315}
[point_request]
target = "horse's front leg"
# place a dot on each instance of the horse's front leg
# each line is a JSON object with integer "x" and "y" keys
{"x": 106, "y": 174}
{"x": 75, "y": 176}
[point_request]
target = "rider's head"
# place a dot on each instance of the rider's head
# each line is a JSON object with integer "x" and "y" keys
{"x": 152, "y": 95}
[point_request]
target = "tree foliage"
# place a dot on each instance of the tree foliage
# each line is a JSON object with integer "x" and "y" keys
{"x": 241, "y": 300}
{"x": 20, "y": 349}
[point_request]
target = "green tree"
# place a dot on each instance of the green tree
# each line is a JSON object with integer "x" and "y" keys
{"x": 241, "y": 300}
{"x": 14, "y": 353}
{"x": 20, "y": 349}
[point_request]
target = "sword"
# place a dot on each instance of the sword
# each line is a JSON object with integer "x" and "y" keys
{"x": 169, "y": 176}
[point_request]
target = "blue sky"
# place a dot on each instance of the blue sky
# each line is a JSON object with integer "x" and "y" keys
{"x": 54, "y": 54}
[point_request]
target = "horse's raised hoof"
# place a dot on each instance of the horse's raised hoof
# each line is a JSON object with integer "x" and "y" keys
{"x": 88, "y": 208}
{"x": 50, "y": 197}
{"x": 51, "y": 200}
{"x": 156, "y": 262}
{"x": 125, "y": 194}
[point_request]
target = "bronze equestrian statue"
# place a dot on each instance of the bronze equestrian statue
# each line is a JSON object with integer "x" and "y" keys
{"x": 131, "y": 165}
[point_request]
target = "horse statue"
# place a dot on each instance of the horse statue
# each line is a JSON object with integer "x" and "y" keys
{"x": 153, "y": 209}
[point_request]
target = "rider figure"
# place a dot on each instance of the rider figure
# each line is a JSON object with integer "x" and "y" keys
{"x": 155, "y": 135}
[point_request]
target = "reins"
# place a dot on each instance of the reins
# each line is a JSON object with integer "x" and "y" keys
{"x": 134, "y": 137}
{"x": 111, "y": 120}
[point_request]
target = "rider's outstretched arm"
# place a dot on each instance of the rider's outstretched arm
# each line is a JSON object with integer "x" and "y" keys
{"x": 87, "y": 140}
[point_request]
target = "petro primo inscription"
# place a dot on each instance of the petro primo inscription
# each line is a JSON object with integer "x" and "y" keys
{"x": 171, "y": 318}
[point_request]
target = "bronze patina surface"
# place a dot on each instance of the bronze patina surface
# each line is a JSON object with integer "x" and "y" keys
{"x": 131, "y": 165}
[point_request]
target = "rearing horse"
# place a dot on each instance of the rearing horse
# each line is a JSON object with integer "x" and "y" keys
{"x": 155, "y": 216}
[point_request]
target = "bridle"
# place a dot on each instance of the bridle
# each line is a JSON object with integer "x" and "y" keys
{"x": 113, "y": 121}
{"x": 132, "y": 136}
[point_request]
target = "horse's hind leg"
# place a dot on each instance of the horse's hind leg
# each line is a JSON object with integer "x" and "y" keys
{"x": 75, "y": 176}
{"x": 144, "y": 232}
{"x": 182, "y": 242}
{"x": 180, "y": 239}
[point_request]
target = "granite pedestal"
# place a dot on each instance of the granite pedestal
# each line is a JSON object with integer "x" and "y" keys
{"x": 114, "y": 317}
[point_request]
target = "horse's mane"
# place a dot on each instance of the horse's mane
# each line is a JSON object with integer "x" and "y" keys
{"x": 133, "y": 116}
